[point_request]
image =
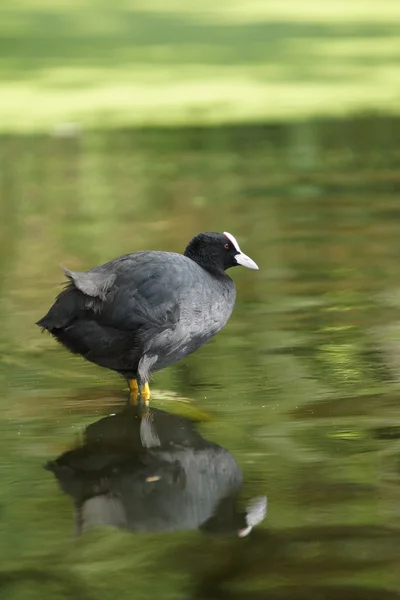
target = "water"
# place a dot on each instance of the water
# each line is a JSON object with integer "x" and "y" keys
{"x": 300, "y": 392}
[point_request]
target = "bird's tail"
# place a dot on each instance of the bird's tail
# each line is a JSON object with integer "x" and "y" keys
{"x": 66, "y": 308}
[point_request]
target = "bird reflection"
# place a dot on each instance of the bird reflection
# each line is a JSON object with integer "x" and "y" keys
{"x": 147, "y": 470}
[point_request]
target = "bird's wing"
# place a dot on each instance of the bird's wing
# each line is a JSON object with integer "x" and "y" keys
{"x": 137, "y": 289}
{"x": 91, "y": 283}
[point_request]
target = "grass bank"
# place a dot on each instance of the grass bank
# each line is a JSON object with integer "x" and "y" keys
{"x": 152, "y": 62}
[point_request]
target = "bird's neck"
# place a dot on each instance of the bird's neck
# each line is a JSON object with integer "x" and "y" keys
{"x": 204, "y": 262}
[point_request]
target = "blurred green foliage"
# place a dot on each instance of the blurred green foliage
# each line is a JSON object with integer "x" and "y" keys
{"x": 149, "y": 62}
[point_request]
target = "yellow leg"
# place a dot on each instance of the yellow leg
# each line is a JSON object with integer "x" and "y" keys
{"x": 133, "y": 391}
{"x": 145, "y": 393}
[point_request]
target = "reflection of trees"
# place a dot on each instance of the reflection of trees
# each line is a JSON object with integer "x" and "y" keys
{"x": 303, "y": 563}
{"x": 284, "y": 564}
{"x": 42, "y": 583}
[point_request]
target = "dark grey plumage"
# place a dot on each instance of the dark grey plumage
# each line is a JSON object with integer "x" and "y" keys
{"x": 153, "y": 472}
{"x": 144, "y": 311}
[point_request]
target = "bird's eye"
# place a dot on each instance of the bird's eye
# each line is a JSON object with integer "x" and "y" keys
{"x": 226, "y": 246}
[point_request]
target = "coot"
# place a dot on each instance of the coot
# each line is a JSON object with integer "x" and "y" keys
{"x": 145, "y": 311}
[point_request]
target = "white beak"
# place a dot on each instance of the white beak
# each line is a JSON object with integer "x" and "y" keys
{"x": 241, "y": 259}
{"x": 245, "y": 261}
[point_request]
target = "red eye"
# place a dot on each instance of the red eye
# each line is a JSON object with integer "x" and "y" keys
{"x": 226, "y": 246}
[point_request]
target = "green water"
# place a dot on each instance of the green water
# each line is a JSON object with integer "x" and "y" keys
{"x": 302, "y": 387}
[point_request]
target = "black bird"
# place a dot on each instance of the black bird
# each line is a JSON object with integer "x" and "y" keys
{"x": 150, "y": 470}
{"x": 145, "y": 311}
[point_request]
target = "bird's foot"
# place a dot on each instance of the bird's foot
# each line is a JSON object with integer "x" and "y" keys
{"x": 145, "y": 393}
{"x": 133, "y": 391}
{"x": 135, "y": 394}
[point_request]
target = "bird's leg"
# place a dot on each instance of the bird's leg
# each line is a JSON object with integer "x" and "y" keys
{"x": 133, "y": 391}
{"x": 145, "y": 393}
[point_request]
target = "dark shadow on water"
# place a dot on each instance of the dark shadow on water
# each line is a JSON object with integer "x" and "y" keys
{"x": 147, "y": 470}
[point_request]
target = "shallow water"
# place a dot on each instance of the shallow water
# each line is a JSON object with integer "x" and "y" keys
{"x": 300, "y": 392}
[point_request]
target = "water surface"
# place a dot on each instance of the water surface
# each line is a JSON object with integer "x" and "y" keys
{"x": 301, "y": 388}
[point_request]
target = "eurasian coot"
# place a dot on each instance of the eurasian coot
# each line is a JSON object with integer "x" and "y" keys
{"x": 145, "y": 311}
